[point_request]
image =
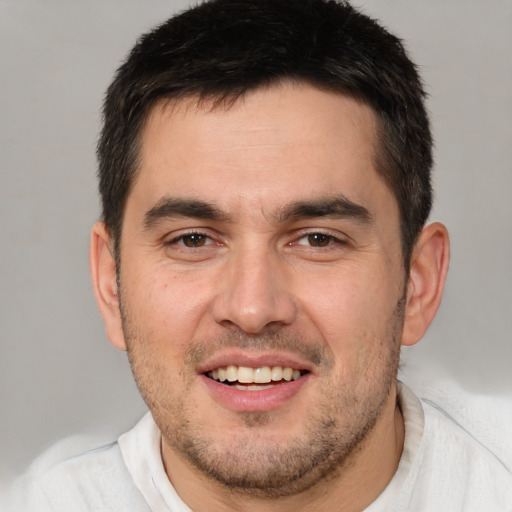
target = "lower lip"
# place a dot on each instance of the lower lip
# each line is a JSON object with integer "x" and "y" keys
{"x": 254, "y": 401}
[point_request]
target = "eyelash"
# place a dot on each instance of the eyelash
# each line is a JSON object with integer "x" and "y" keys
{"x": 207, "y": 240}
{"x": 180, "y": 240}
{"x": 331, "y": 239}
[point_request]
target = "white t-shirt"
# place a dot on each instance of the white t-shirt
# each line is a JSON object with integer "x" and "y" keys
{"x": 442, "y": 468}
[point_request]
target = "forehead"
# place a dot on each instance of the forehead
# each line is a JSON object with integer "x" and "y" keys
{"x": 274, "y": 145}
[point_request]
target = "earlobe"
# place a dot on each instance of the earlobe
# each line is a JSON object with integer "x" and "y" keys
{"x": 103, "y": 274}
{"x": 428, "y": 269}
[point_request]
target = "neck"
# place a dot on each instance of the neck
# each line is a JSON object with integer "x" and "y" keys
{"x": 356, "y": 484}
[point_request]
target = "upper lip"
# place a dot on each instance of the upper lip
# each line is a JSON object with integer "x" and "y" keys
{"x": 255, "y": 359}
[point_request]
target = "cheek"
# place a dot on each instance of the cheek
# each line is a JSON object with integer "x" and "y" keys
{"x": 352, "y": 311}
{"x": 165, "y": 309}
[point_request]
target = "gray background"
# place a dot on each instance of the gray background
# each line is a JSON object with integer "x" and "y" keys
{"x": 58, "y": 373}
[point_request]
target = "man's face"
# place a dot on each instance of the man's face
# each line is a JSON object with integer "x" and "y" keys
{"x": 260, "y": 243}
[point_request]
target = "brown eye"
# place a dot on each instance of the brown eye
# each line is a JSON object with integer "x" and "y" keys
{"x": 319, "y": 239}
{"x": 194, "y": 240}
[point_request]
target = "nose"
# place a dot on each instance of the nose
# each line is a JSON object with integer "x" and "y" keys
{"x": 255, "y": 295}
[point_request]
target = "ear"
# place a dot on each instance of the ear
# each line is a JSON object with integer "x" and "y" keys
{"x": 104, "y": 282}
{"x": 427, "y": 275}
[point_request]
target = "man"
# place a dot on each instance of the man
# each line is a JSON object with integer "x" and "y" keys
{"x": 263, "y": 254}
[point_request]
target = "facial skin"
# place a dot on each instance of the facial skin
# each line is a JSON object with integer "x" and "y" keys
{"x": 261, "y": 235}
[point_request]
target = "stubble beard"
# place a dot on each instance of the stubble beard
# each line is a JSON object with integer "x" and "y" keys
{"x": 251, "y": 461}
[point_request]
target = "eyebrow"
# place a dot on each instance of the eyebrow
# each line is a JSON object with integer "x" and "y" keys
{"x": 339, "y": 207}
{"x": 169, "y": 207}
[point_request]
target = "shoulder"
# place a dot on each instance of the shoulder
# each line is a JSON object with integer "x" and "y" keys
{"x": 60, "y": 480}
{"x": 456, "y": 466}
{"x": 459, "y": 440}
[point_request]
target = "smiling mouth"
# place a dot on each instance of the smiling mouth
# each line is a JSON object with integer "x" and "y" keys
{"x": 254, "y": 379}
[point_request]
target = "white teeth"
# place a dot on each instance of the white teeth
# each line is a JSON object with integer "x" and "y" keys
{"x": 247, "y": 375}
{"x": 261, "y": 375}
{"x": 277, "y": 373}
{"x": 287, "y": 374}
{"x": 231, "y": 373}
{"x": 251, "y": 388}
